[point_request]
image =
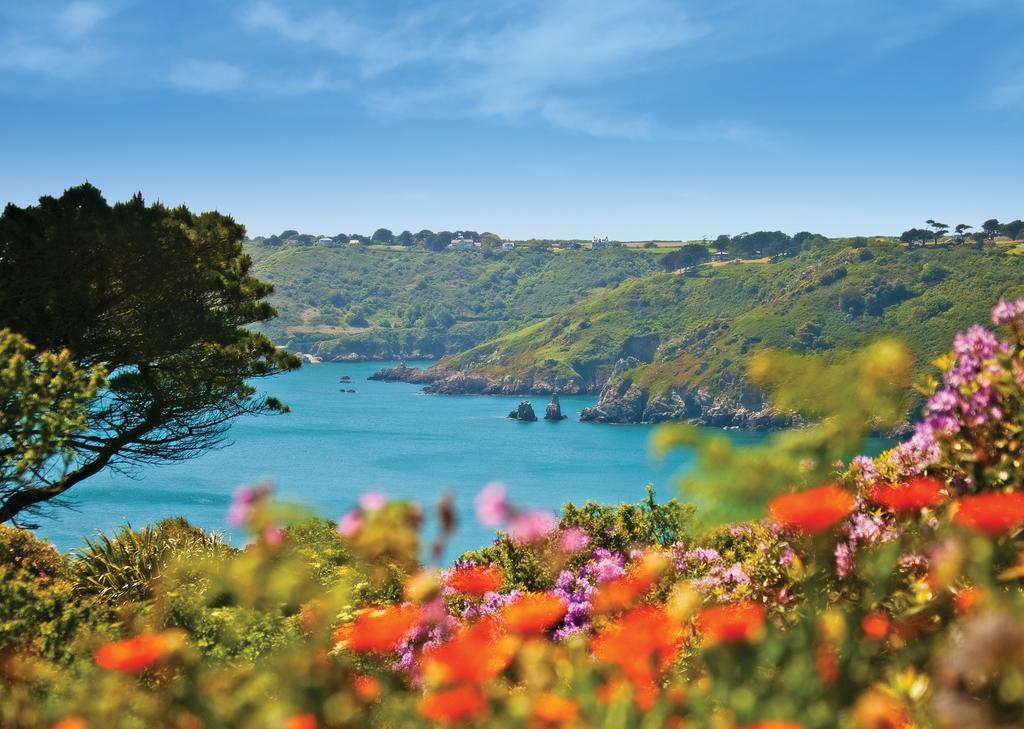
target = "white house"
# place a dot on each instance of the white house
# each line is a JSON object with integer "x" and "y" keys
{"x": 461, "y": 243}
{"x": 507, "y": 245}
{"x": 599, "y": 244}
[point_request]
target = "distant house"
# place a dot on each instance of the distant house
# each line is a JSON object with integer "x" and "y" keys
{"x": 324, "y": 241}
{"x": 507, "y": 245}
{"x": 461, "y": 243}
{"x": 600, "y": 244}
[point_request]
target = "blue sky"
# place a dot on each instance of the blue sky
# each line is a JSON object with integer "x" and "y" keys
{"x": 550, "y": 118}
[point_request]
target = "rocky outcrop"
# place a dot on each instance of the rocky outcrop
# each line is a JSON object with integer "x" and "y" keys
{"x": 736, "y": 406}
{"x": 524, "y": 412}
{"x": 554, "y": 410}
{"x": 440, "y": 381}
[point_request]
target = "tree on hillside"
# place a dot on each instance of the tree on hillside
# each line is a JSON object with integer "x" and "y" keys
{"x": 915, "y": 235}
{"x": 440, "y": 240}
{"x": 161, "y": 299}
{"x": 1013, "y": 230}
{"x": 960, "y": 230}
{"x": 383, "y": 235}
{"x": 938, "y": 230}
{"x": 404, "y": 238}
{"x": 690, "y": 255}
{"x": 991, "y": 229}
{"x": 423, "y": 238}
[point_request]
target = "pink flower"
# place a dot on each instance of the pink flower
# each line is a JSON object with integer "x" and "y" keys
{"x": 531, "y": 527}
{"x": 244, "y": 503}
{"x": 373, "y": 501}
{"x": 573, "y": 540}
{"x": 492, "y": 505}
{"x": 273, "y": 535}
{"x": 349, "y": 524}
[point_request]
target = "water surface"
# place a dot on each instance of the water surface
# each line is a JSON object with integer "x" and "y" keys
{"x": 388, "y": 436}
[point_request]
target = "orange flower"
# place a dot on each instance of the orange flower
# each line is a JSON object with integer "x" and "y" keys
{"x": 533, "y": 613}
{"x": 875, "y": 625}
{"x": 134, "y": 654}
{"x": 813, "y": 511}
{"x": 475, "y": 580}
{"x": 366, "y": 687}
{"x": 301, "y": 721}
{"x": 966, "y": 599}
{"x": 992, "y": 514}
{"x": 460, "y": 704}
{"x": 622, "y": 592}
{"x": 554, "y": 710}
{"x": 475, "y": 654}
{"x": 773, "y": 725}
{"x": 378, "y": 629}
{"x": 877, "y": 710}
{"x": 641, "y": 643}
{"x": 735, "y": 623}
{"x": 914, "y": 495}
{"x": 71, "y": 722}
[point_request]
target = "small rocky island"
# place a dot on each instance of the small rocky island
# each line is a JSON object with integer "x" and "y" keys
{"x": 524, "y": 412}
{"x": 554, "y": 410}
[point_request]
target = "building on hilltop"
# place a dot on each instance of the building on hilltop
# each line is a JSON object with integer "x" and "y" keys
{"x": 600, "y": 244}
{"x": 507, "y": 245}
{"x": 461, "y": 243}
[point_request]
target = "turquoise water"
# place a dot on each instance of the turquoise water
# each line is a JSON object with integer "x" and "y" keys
{"x": 387, "y": 436}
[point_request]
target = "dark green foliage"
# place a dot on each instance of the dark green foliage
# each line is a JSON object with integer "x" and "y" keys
{"x": 690, "y": 255}
{"x": 161, "y": 298}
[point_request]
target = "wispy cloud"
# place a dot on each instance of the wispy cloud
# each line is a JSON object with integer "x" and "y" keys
{"x": 537, "y": 59}
{"x": 206, "y": 77}
{"x": 80, "y": 18}
{"x": 56, "y": 43}
{"x": 1009, "y": 92}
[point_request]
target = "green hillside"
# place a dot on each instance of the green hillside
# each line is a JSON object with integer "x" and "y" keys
{"x": 380, "y": 302}
{"x": 694, "y": 331}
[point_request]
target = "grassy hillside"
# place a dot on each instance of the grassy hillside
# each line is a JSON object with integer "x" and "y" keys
{"x": 374, "y": 302}
{"x": 696, "y": 330}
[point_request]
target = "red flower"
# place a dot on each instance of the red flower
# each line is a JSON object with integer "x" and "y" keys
{"x": 453, "y": 706}
{"x": 622, "y": 592}
{"x": 875, "y": 625}
{"x": 134, "y": 654}
{"x": 993, "y": 514}
{"x": 642, "y": 643}
{"x": 366, "y": 687}
{"x": 773, "y": 725}
{"x": 301, "y": 721}
{"x": 475, "y": 580}
{"x": 554, "y": 710}
{"x": 71, "y": 722}
{"x": 735, "y": 623}
{"x": 533, "y": 613}
{"x": 378, "y": 629}
{"x": 916, "y": 494}
{"x": 966, "y": 599}
{"x": 475, "y": 654}
{"x": 813, "y": 511}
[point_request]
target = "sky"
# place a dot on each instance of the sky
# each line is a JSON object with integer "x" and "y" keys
{"x": 633, "y": 119}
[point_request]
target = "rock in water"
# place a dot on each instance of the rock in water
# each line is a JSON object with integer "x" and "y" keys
{"x": 524, "y": 412}
{"x": 554, "y": 410}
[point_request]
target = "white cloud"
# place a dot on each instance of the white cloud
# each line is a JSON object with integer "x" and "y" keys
{"x": 80, "y": 18}
{"x": 208, "y": 77}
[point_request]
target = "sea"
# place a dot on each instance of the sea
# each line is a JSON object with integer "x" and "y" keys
{"x": 390, "y": 437}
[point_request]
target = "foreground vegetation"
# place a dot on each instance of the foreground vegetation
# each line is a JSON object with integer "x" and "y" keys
{"x": 867, "y": 593}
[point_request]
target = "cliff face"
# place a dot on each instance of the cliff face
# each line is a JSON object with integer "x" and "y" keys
{"x": 736, "y": 405}
{"x": 620, "y": 401}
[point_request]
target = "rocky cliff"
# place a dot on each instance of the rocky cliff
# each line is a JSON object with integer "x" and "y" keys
{"x": 734, "y": 406}
{"x": 443, "y": 381}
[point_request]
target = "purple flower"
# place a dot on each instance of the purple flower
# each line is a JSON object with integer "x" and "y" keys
{"x": 492, "y": 505}
{"x": 1006, "y": 311}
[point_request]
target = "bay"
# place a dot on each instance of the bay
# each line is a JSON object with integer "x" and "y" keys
{"x": 335, "y": 445}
